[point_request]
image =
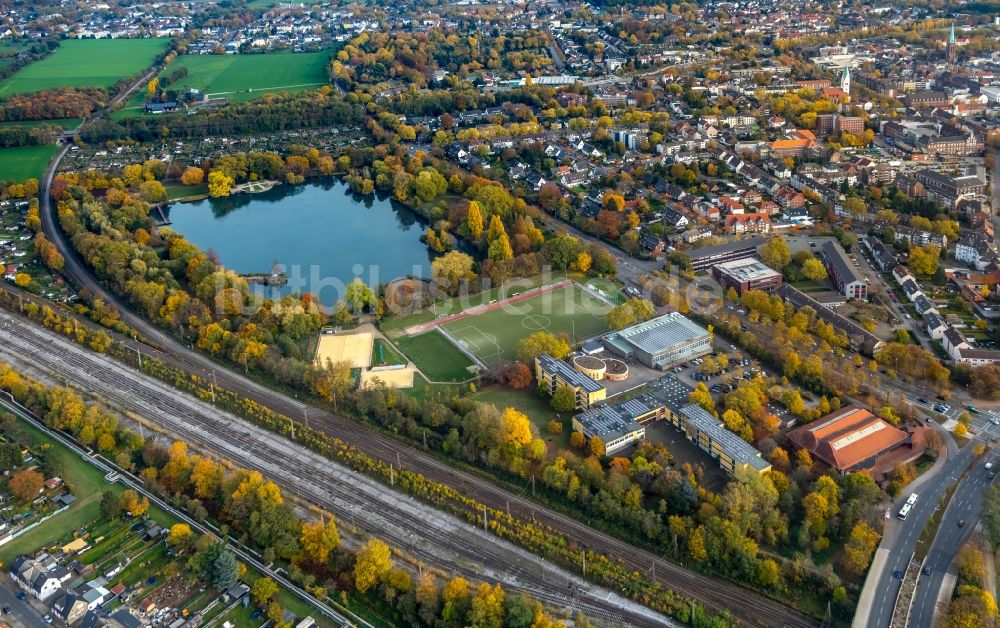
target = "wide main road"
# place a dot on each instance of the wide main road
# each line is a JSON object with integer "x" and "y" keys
{"x": 713, "y": 593}
{"x": 901, "y": 537}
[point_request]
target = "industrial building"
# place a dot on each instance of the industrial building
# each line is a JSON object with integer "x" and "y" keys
{"x": 660, "y": 342}
{"x": 747, "y": 274}
{"x": 849, "y": 439}
{"x": 552, "y": 373}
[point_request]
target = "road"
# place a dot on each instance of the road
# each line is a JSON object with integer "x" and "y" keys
{"x": 713, "y": 593}
{"x": 444, "y": 541}
{"x": 965, "y": 507}
{"x": 23, "y": 613}
{"x": 901, "y": 537}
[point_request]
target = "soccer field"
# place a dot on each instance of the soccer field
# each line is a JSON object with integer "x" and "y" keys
{"x": 233, "y": 75}
{"x": 493, "y": 336}
{"x": 85, "y": 63}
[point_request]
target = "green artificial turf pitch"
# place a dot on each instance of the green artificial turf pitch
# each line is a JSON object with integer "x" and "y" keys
{"x": 493, "y": 336}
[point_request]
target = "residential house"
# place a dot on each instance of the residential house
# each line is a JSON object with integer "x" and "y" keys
{"x": 935, "y": 325}
{"x": 902, "y": 274}
{"x": 847, "y": 280}
{"x": 974, "y": 250}
{"x": 884, "y": 259}
{"x": 68, "y": 606}
{"x": 920, "y": 237}
{"x": 748, "y": 223}
{"x": 41, "y": 577}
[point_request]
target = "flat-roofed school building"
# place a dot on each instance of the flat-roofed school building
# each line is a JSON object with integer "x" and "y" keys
{"x": 552, "y": 373}
{"x": 747, "y": 274}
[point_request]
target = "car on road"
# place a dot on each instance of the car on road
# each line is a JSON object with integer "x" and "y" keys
{"x": 991, "y": 474}
{"x": 927, "y": 570}
{"x": 942, "y": 408}
{"x": 961, "y": 523}
{"x": 7, "y": 610}
{"x": 898, "y": 574}
{"x": 48, "y": 619}
{"x": 21, "y": 596}
{"x": 922, "y": 400}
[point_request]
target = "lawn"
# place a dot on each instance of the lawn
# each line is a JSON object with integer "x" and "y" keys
{"x": 182, "y": 191}
{"x": 24, "y": 162}
{"x": 86, "y": 482}
{"x": 243, "y": 76}
{"x": 85, "y": 63}
{"x": 66, "y": 123}
{"x": 383, "y": 354}
{"x": 436, "y": 356}
{"x": 536, "y": 408}
{"x": 493, "y": 336}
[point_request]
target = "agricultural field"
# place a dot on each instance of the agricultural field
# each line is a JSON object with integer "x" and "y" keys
{"x": 493, "y": 335}
{"x": 244, "y": 76}
{"x": 24, "y": 162}
{"x": 85, "y": 63}
{"x": 66, "y": 123}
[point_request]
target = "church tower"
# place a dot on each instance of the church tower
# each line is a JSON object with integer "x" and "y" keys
{"x": 949, "y": 47}
{"x": 845, "y": 81}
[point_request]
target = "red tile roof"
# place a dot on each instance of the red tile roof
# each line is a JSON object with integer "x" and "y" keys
{"x": 848, "y": 437}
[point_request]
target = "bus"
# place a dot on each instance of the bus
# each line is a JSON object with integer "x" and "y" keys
{"x": 912, "y": 499}
{"x": 905, "y": 510}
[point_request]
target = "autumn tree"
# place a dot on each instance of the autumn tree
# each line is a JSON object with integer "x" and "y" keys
{"x": 487, "y": 607}
{"x": 371, "y": 564}
{"x": 813, "y": 269}
{"x": 859, "y": 549}
{"x": 26, "y": 484}
{"x": 132, "y": 502}
{"x": 924, "y": 259}
{"x": 541, "y": 342}
{"x": 219, "y": 184}
{"x": 515, "y": 427}
{"x": 193, "y": 175}
{"x": 629, "y": 313}
{"x": 318, "y": 539}
{"x": 776, "y": 253}
{"x": 180, "y": 535}
{"x": 263, "y": 590}
{"x": 474, "y": 220}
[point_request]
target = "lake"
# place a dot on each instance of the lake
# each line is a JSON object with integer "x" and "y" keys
{"x": 321, "y": 233}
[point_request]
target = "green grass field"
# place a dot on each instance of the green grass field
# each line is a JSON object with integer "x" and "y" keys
{"x": 493, "y": 336}
{"x": 436, "y": 356}
{"x": 234, "y": 76}
{"x": 66, "y": 123}
{"x": 85, "y": 63}
{"x": 87, "y": 483}
{"x": 24, "y": 162}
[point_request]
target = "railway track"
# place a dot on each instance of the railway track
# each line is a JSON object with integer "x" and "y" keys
{"x": 713, "y": 593}
{"x": 316, "y": 481}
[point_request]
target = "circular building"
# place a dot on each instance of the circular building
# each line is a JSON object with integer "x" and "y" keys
{"x": 590, "y": 366}
{"x": 615, "y": 370}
